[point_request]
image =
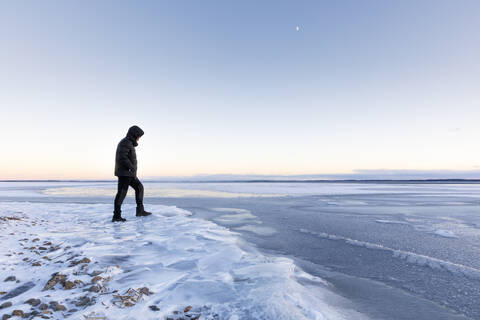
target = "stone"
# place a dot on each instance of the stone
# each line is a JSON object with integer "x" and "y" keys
{"x": 36, "y": 264}
{"x": 187, "y": 309}
{"x": 42, "y": 248}
{"x": 84, "y": 260}
{"x": 68, "y": 285}
{"x": 72, "y": 310}
{"x": 154, "y": 308}
{"x": 56, "y": 278}
{"x": 10, "y": 278}
{"x": 59, "y": 307}
{"x": 33, "y": 302}
{"x": 96, "y": 279}
{"x": 25, "y": 259}
{"x": 47, "y": 243}
{"x": 82, "y": 301}
{"x": 5, "y": 305}
{"x": 95, "y": 289}
{"x": 96, "y": 273}
{"x": 18, "y": 313}
{"x": 6, "y": 316}
{"x": 144, "y": 291}
{"x": 78, "y": 282}
{"x": 36, "y": 239}
{"x": 43, "y": 306}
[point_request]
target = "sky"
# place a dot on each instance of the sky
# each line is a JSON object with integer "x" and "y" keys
{"x": 232, "y": 87}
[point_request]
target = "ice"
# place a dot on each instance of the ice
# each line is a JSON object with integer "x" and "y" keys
{"x": 411, "y": 257}
{"x": 259, "y": 230}
{"x": 182, "y": 260}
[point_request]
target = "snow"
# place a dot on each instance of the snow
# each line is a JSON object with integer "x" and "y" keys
{"x": 182, "y": 260}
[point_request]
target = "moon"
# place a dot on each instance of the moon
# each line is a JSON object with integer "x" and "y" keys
{"x": 298, "y": 28}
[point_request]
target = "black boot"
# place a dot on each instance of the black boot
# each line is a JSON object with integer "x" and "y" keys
{"x": 141, "y": 211}
{"x": 117, "y": 216}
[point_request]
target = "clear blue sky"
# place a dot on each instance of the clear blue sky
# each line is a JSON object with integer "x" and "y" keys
{"x": 233, "y": 87}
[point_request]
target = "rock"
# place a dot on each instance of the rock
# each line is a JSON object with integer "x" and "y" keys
{"x": 59, "y": 307}
{"x": 43, "y": 306}
{"x": 94, "y": 289}
{"x": 10, "y": 278}
{"x": 25, "y": 259}
{"x": 68, "y": 285}
{"x": 33, "y": 302}
{"x": 176, "y": 312}
{"x": 78, "y": 282}
{"x": 36, "y": 264}
{"x": 75, "y": 262}
{"x": 47, "y": 312}
{"x": 144, "y": 291}
{"x": 18, "y": 313}
{"x": 154, "y": 308}
{"x": 187, "y": 309}
{"x": 72, "y": 310}
{"x": 36, "y": 239}
{"x": 56, "y": 278}
{"x": 96, "y": 273}
{"x": 5, "y": 305}
{"x": 42, "y": 248}
{"x": 34, "y": 313}
{"x": 96, "y": 279}
{"x": 82, "y": 301}
{"x": 6, "y": 316}
{"x": 47, "y": 243}
{"x": 2, "y": 292}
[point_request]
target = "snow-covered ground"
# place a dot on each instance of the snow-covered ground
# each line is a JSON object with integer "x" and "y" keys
{"x": 185, "y": 263}
{"x": 242, "y": 251}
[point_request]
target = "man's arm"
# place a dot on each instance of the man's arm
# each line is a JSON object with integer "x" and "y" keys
{"x": 123, "y": 159}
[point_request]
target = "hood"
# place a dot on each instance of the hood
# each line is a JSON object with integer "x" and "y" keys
{"x": 134, "y": 133}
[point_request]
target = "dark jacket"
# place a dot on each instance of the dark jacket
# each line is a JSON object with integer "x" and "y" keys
{"x": 126, "y": 158}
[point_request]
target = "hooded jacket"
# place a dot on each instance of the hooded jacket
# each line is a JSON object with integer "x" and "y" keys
{"x": 126, "y": 158}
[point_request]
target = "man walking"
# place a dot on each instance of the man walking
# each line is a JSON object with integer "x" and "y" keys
{"x": 126, "y": 171}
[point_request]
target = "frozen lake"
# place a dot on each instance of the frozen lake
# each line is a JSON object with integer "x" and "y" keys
{"x": 373, "y": 251}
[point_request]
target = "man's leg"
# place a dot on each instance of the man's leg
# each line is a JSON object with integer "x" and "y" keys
{"x": 138, "y": 187}
{"x": 122, "y": 189}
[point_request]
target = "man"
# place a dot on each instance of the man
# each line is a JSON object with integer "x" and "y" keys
{"x": 126, "y": 171}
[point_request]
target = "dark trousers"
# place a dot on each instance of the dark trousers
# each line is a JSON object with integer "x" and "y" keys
{"x": 123, "y": 184}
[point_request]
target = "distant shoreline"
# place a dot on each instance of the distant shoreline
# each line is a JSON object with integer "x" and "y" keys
{"x": 365, "y": 181}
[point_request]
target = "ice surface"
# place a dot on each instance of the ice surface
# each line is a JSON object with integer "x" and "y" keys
{"x": 410, "y": 257}
{"x": 182, "y": 260}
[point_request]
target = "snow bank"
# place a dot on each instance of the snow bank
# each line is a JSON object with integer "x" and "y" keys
{"x": 160, "y": 266}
